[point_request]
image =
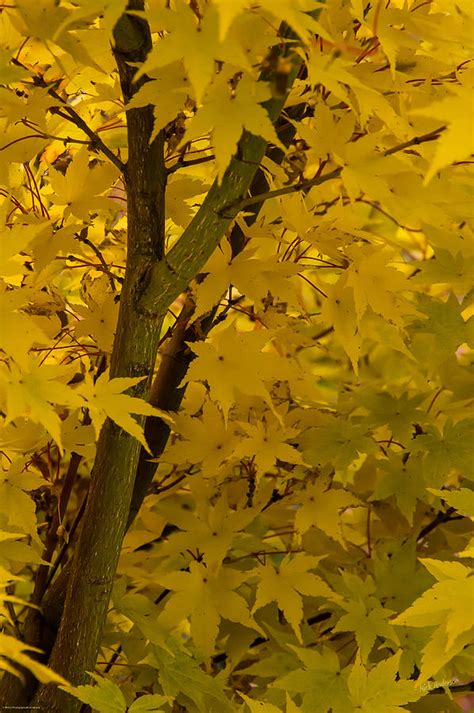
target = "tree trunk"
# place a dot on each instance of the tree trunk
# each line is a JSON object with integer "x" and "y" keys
{"x": 134, "y": 353}
{"x": 151, "y": 283}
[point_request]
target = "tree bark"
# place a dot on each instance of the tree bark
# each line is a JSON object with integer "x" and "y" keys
{"x": 152, "y": 281}
{"x": 134, "y": 353}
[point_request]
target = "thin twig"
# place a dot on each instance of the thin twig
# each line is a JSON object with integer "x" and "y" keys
{"x": 82, "y": 237}
{"x": 73, "y": 117}
{"x": 184, "y": 164}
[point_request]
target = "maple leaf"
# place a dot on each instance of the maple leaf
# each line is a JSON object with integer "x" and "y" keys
{"x": 453, "y": 270}
{"x": 327, "y": 133}
{"x": 233, "y": 362}
{"x": 265, "y": 443}
{"x": 376, "y": 284}
{"x": 79, "y": 190}
{"x": 378, "y": 689}
{"x": 206, "y": 440}
{"x": 107, "y": 697}
{"x": 441, "y": 330}
{"x": 39, "y": 19}
{"x": 18, "y": 508}
{"x": 253, "y": 277}
{"x": 21, "y": 654}
{"x": 286, "y": 584}
{"x": 10, "y": 73}
{"x": 339, "y": 311}
{"x": 457, "y": 141}
{"x": 405, "y": 481}
{"x": 99, "y": 321}
{"x": 105, "y": 399}
{"x": 34, "y": 390}
{"x": 227, "y": 112}
{"x": 18, "y": 331}
{"x": 180, "y": 189}
{"x": 335, "y": 440}
{"x": 296, "y": 13}
{"x": 168, "y": 91}
{"x": 321, "y": 508}
{"x": 205, "y": 597}
{"x": 451, "y": 449}
{"x": 182, "y": 677}
{"x": 214, "y": 527}
{"x": 14, "y": 242}
{"x": 334, "y": 72}
{"x": 259, "y": 706}
{"x": 462, "y": 499}
{"x": 444, "y": 606}
{"x": 199, "y": 36}
{"x": 397, "y": 412}
{"x": 321, "y": 682}
{"x": 368, "y": 620}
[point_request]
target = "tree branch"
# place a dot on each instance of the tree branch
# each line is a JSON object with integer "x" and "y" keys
{"x": 170, "y": 277}
{"x": 72, "y": 116}
{"x": 440, "y": 519}
{"x": 235, "y": 208}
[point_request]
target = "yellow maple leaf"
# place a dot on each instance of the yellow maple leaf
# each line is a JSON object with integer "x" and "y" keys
{"x": 200, "y": 37}
{"x": 377, "y": 284}
{"x": 321, "y": 508}
{"x": 105, "y": 399}
{"x": 380, "y": 689}
{"x": 367, "y": 619}
{"x": 13, "y": 242}
{"x": 259, "y": 706}
{"x": 294, "y": 12}
{"x": 18, "y": 510}
{"x": 227, "y": 112}
{"x": 443, "y": 606}
{"x": 34, "y": 390}
{"x": 17, "y": 652}
{"x": 286, "y": 584}
{"x": 339, "y": 311}
{"x": 253, "y": 277}
{"x": 18, "y": 331}
{"x": 456, "y": 143}
{"x": 205, "y": 597}
{"x": 212, "y": 528}
{"x": 168, "y": 91}
{"x": 98, "y": 321}
{"x": 266, "y": 442}
{"x": 233, "y": 362}
{"x": 80, "y": 188}
{"x": 207, "y": 440}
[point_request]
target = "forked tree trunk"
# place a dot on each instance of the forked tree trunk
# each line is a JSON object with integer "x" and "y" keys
{"x": 151, "y": 283}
